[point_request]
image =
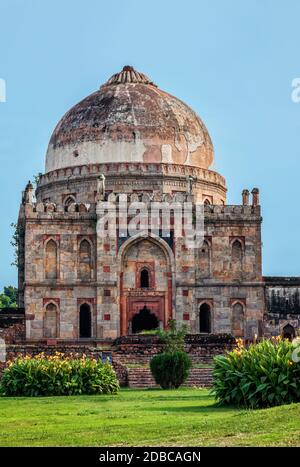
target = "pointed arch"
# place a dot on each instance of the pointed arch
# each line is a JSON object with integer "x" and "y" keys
{"x": 237, "y": 250}
{"x": 144, "y": 278}
{"x": 156, "y": 241}
{"x": 70, "y": 199}
{"x": 50, "y": 321}
{"x": 145, "y": 274}
{"x": 51, "y": 259}
{"x": 204, "y": 264}
{"x": 85, "y": 321}
{"x": 85, "y": 263}
{"x": 238, "y": 319}
{"x": 237, "y": 254}
{"x": 288, "y": 332}
{"x": 205, "y": 318}
{"x": 167, "y": 255}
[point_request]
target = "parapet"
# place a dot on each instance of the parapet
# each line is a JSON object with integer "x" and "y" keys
{"x": 232, "y": 212}
{"x": 52, "y": 210}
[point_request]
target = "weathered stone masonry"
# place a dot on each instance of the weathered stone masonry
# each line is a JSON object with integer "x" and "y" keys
{"x": 132, "y": 138}
{"x": 179, "y": 288}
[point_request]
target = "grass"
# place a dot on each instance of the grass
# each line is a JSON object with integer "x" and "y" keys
{"x": 186, "y": 417}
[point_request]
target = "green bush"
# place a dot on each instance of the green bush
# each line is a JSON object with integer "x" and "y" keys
{"x": 173, "y": 337}
{"x": 170, "y": 369}
{"x": 57, "y": 375}
{"x": 261, "y": 375}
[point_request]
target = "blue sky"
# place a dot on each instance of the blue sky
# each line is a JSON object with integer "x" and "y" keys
{"x": 233, "y": 61}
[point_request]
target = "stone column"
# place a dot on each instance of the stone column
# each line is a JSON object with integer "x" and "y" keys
{"x": 245, "y": 197}
{"x": 255, "y": 197}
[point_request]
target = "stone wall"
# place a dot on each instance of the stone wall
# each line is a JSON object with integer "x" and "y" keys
{"x": 12, "y": 327}
{"x": 140, "y": 349}
{"x": 226, "y": 273}
{"x": 282, "y": 306}
{"x": 64, "y": 290}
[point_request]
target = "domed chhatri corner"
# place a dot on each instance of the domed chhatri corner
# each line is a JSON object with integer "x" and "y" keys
{"x": 132, "y": 138}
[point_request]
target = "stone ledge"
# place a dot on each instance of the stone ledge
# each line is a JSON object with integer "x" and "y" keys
{"x": 130, "y": 168}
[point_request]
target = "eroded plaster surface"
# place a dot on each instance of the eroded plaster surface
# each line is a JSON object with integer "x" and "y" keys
{"x": 129, "y": 119}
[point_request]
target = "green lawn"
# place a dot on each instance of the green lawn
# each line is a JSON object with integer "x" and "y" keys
{"x": 185, "y": 417}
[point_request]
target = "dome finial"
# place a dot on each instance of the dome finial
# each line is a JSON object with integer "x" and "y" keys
{"x": 128, "y": 68}
{"x": 129, "y": 75}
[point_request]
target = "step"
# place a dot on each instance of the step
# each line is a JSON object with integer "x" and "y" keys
{"x": 142, "y": 378}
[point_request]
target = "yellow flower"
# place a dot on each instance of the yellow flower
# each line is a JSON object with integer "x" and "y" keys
{"x": 239, "y": 343}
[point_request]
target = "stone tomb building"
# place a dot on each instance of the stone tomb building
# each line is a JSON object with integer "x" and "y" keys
{"x": 132, "y": 138}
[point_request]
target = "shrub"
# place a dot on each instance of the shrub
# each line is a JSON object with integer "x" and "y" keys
{"x": 57, "y": 375}
{"x": 170, "y": 369}
{"x": 262, "y": 375}
{"x": 174, "y": 336}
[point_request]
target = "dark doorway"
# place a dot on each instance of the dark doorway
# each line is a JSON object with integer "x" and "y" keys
{"x": 144, "y": 279}
{"x": 85, "y": 321}
{"x": 204, "y": 318}
{"x": 144, "y": 321}
{"x": 288, "y": 332}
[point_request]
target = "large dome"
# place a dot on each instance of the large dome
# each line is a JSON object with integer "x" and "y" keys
{"x": 129, "y": 119}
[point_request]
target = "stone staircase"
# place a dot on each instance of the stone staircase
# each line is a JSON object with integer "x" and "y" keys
{"x": 141, "y": 377}
{"x": 144, "y": 359}
{"x": 200, "y": 377}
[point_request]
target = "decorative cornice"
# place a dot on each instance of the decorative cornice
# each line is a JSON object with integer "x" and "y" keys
{"x": 124, "y": 169}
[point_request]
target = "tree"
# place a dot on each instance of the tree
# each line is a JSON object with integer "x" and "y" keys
{"x": 8, "y": 298}
{"x": 15, "y": 240}
{"x": 171, "y": 368}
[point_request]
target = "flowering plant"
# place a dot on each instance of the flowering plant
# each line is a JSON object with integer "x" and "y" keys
{"x": 262, "y": 375}
{"x": 57, "y": 375}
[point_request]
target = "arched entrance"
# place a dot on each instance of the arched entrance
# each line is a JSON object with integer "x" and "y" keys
{"x": 85, "y": 321}
{"x": 205, "y": 318}
{"x": 288, "y": 332}
{"x": 146, "y": 279}
{"x": 144, "y": 321}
